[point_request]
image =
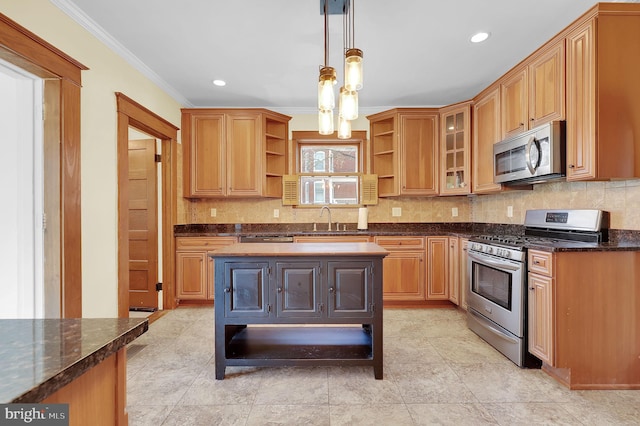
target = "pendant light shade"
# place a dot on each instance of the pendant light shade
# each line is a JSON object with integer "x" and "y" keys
{"x": 353, "y": 76}
{"x": 325, "y": 122}
{"x": 348, "y": 106}
{"x": 326, "y": 96}
{"x": 344, "y": 128}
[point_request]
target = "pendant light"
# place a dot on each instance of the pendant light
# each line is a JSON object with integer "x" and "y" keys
{"x": 353, "y": 76}
{"x": 326, "y": 97}
{"x": 348, "y": 102}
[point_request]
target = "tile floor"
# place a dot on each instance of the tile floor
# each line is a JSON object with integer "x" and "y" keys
{"x": 436, "y": 372}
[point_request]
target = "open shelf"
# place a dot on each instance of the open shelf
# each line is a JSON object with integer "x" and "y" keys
{"x": 300, "y": 343}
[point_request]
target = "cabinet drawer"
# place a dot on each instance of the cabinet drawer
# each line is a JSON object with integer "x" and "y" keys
{"x": 331, "y": 239}
{"x": 203, "y": 243}
{"x": 540, "y": 262}
{"x": 400, "y": 243}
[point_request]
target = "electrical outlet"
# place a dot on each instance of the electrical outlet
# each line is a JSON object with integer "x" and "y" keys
{"x": 396, "y": 211}
{"x": 454, "y": 212}
{"x": 509, "y": 211}
{"x": 276, "y": 213}
{"x": 214, "y": 212}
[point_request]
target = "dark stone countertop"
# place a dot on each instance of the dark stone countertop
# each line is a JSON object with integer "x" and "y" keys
{"x": 40, "y": 356}
{"x": 618, "y": 240}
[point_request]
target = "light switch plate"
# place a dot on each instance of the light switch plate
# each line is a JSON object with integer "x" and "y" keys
{"x": 396, "y": 211}
{"x": 214, "y": 212}
{"x": 276, "y": 213}
{"x": 509, "y": 211}
{"x": 454, "y": 212}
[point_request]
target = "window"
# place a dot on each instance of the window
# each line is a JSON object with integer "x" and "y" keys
{"x": 329, "y": 168}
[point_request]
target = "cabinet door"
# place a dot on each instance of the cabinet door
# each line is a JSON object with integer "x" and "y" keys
{"x": 486, "y": 132}
{"x": 540, "y": 322}
{"x": 350, "y": 289}
{"x": 191, "y": 275}
{"x": 454, "y": 271}
{"x": 246, "y": 291}
{"x": 438, "y": 268}
{"x": 455, "y": 151}
{"x": 204, "y": 158}
{"x": 403, "y": 275}
{"x": 581, "y": 101}
{"x": 514, "y": 104}
{"x": 419, "y": 154}
{"x": 546, "y": 86}
{"x": 244, "y": 145}
{"x": 464, "y": 272}
{"x": 298, "y": 289}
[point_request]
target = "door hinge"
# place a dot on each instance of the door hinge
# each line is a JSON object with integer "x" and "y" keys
{"x": 372, "y": 307}
{"x": 269, "y": 308}
{"x": 158, "y": 286}
{"x": 44, "y": 221}
{"x": 158, "y": 158}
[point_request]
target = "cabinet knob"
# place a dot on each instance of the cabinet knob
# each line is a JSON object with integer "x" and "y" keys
{"x": 532, "y": 288}
{"x": 279, "y": 289}
{"x": 522, "y": 124}
{"x": 330, "y": 289}
{"x": 571, "y": 166}
{"x": 227, "y": 290}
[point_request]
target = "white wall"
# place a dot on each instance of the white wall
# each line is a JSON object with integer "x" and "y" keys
{"x": 108, "y": 73}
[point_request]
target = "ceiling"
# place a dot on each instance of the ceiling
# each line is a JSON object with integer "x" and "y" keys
{"x": 416, "y": 52}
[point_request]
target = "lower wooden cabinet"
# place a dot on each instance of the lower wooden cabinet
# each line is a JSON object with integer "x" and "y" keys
{"x": 403, "y": 276}
{"x": 194, "y": 267}
{"x": 454, "y": 271}
{"x": 438, "y": 268}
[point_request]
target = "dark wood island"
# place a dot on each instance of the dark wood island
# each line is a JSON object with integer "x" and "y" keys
{"x": 298, "y": 304}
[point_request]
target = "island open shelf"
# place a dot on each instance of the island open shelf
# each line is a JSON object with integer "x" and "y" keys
{"x": 298, "y": 304}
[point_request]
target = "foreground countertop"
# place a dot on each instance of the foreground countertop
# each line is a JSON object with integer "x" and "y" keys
{"x": 300, "y": 249}
{"x": 40, "y": 356}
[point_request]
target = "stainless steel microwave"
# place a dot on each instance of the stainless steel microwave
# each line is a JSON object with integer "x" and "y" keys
{"x": 531, "y": 157}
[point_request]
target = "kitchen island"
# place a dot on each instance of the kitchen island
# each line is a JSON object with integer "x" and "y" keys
{"x": 80, "y": 362}
{"x": 298, "y": 304}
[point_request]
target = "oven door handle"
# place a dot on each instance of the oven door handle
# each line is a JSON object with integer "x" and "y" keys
{"x": 492, "y": 329}
{"x": 499, "y": 265}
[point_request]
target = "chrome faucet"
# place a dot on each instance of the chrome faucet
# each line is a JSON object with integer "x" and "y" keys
{"x": 329, "y": 211}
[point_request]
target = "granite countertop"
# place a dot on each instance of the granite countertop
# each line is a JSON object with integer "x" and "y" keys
{"x": 40, "y": 356}
{"x": 619, "y": 240}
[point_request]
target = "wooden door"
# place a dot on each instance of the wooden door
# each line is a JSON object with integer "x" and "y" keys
{"x": 438, "y": 268}
{"x": 419, "y": 147}
{"x": 191, "y": 275}
{"x": 514, "y": 104}
{"x": 244, "y": 145}
{"x": 143, "y": 224}
{"x": 454, "y": 271}
{"x": 204, "y": 160}
{"x": 298, "y": 289}
{"x": 546, "y": 86}
{"x": 486, "y": 132}
{"x": 581, "y": 101}
{"x": 455, "y": 151}
{"x": 350, "y": 288}
{"x": 540, "y": 320}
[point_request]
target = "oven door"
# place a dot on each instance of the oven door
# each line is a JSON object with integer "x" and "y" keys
{"x": 496, "y": 290}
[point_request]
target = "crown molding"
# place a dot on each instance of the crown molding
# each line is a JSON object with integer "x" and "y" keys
{"x": 101, "y": 34}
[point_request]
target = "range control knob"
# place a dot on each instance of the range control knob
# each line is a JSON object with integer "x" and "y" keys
{"x": 489, "y": 250}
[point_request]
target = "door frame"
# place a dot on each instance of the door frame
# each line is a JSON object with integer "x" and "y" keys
{"x": 26, "y": 50}
{"x": 132, "y": 114}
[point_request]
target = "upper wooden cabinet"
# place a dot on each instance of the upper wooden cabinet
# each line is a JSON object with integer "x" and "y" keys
{"x": 455, "y": 150}
{"x": 404, "y": 151}
{"x": 234, "y": 153}
{"x": 603, "y": 94}
{"x": 534, "y": 92}
{"x": 486, "y": 132}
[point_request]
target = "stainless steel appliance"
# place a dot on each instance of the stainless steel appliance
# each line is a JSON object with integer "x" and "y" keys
{"x": 496, "y": 291}
{"x": 531, "y": 157}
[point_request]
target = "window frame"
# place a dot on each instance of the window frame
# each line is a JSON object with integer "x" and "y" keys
{"x": 358, "y": 138}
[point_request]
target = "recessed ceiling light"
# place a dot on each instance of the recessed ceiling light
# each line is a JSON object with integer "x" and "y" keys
{"x": 479, "y": 37}
{"x": 220, "y": 82}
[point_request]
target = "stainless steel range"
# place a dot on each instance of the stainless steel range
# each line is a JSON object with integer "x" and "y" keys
{"x": 496, "y": 291}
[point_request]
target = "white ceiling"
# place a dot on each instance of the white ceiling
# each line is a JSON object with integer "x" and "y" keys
{"x": 416, "y": 52}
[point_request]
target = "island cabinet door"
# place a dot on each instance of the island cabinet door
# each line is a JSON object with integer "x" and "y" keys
{"x": 298, "y": 289}
{"x": 246, "y": 289}
{"x": 350, "y": 289}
